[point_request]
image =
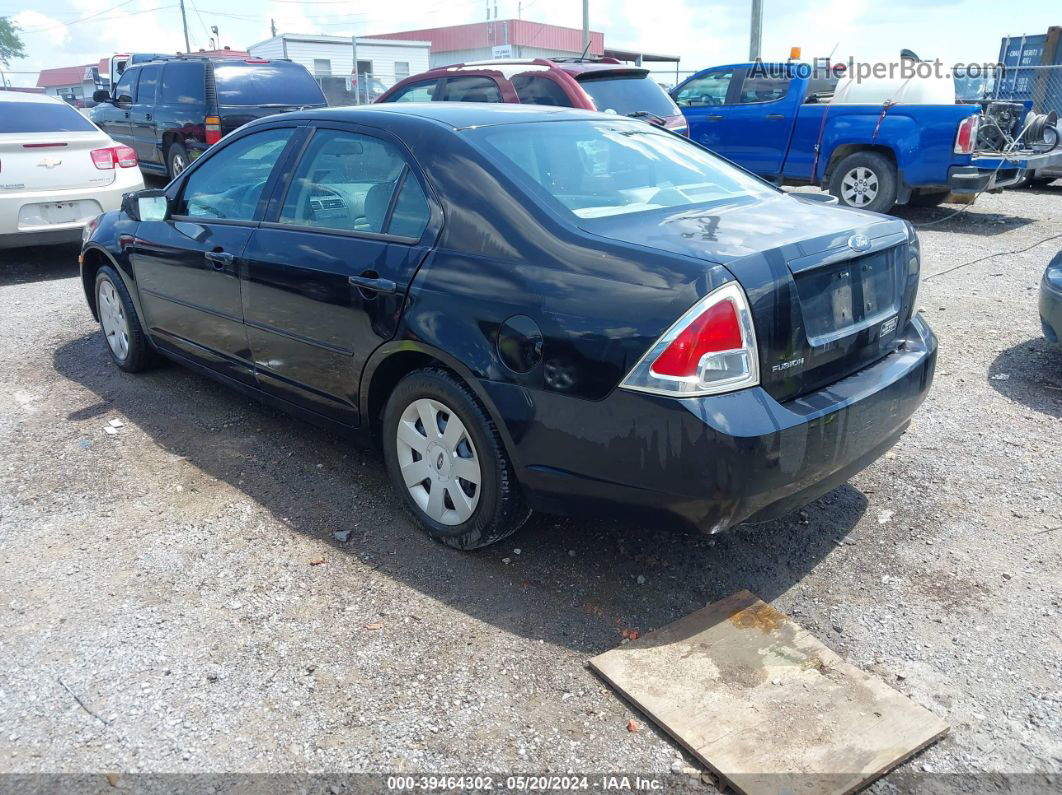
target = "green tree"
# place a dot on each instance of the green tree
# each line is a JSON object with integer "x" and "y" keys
{"x": 10, "y": 43}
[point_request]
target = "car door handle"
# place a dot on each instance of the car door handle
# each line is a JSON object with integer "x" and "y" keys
{"x": 775, "y": 117}
{"x": 376, "y": 284}
{"x": 714, "y": 117}
{"x": 219, "y": 259}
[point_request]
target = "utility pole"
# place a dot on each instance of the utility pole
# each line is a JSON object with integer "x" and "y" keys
{"x": 273, "y": 27}
{"x": 184, "y": 21}
{"x": 755, "y": 29}
{"x": 586, "y": 25}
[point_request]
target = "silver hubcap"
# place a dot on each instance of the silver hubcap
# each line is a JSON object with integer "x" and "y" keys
{"x": 113, "y": 320}
{"x": 439, "y": 463}
{"x": 178, "y": 164}
{"x": 859, "y": 186}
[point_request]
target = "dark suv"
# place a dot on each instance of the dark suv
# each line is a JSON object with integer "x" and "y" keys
{"x": 172, "y": 109}
{"x": 603, "y": 84}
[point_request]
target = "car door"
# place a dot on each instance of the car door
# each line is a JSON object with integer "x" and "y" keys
{"x": 142, "y": 112}
{"x": 328, "y": 269}
{"x": 758, "y": 121}
{"x": 116, "y": 121}
{"x": 705, "y": 101}
{"x": 187, "y": 267}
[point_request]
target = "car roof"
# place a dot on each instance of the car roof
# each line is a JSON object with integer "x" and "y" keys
{"x": 22, "y": 96}
{"x": 457, "y": 115}
{"x": 509, "y": 67}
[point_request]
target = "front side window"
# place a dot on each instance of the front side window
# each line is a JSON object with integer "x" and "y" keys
{"x": 708, "y": 90}
{"x": 601, "y": 169}
{"x": 345, "y": 182}
{"x": 538, "y": 90}
{"x": 757, "y": 88}
{"x": 423, "y": 91}
{"x": 126, "y": 86}
{"x": 470, "y": 89}
{"x": 229, "y": 184}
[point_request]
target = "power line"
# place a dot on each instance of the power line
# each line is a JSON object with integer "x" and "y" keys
{"x": 83, "y": 19}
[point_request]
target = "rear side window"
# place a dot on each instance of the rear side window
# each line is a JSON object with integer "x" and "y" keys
{"x": 416, "y": 92}
{"x": 149, "y": 81}
{"x": 628, "y": 94}
{"x": 538, "y": 90}
{"x": 757, "y": 89}
{"x": 470, "y": 89}
{"x": 271, "y": 85}
{"x": 32, "y": 117}
{"x": 345, "y": 182}
{"x": 229, "y": 184}
{"x": 183, "y": 84}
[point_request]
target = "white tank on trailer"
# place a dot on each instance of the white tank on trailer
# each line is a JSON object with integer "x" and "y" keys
{"x": 897, "y": 86}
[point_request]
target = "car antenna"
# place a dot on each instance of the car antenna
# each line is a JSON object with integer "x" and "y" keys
{"x": 586, "y": 49}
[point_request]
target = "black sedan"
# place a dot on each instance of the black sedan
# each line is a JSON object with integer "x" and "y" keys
{"x": 1051, "y": 301}
{"x": 528, "y": 308}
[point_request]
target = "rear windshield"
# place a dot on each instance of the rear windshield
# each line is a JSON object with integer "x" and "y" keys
{"x": 266, "y": 84}
{"x": 601, "y": 169}
{"x": 628, "y": 94}
{"x": 33, "y": 117}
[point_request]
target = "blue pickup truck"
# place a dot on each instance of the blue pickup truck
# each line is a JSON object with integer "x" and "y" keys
{"x": 778, "y": 121}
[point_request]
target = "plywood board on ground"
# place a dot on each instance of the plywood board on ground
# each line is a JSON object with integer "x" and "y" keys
{"x": 765, "y": 705}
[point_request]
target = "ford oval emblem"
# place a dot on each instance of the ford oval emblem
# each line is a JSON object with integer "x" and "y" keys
{"x": 859, "y": 242}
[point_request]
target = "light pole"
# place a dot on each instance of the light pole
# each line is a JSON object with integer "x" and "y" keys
{"x": 755, "y": 29}
{"x": 586, "y": 26}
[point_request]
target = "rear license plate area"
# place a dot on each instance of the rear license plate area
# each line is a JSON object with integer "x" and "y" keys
{"x": 845, "y": 297}
{"x": 61, "y": 212}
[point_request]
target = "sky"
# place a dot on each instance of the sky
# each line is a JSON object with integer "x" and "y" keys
{"x": 703, "y": 32}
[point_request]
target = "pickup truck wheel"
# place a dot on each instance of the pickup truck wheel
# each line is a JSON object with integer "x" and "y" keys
{"x": 176, "y": 160}
{"x": 866, "y": 181}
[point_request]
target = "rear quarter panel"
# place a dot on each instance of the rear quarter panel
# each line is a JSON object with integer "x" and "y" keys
{"x": 921, "y": 138}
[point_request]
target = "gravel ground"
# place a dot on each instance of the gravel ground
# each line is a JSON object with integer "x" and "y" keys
{"x": 181, "y": 577}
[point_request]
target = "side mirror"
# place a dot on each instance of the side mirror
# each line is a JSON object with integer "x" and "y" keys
{"x": 101, "y": 95}
{"x": 146, "y": 205}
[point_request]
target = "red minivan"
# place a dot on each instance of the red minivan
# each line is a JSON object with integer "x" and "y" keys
{"x": 603, "y": 84}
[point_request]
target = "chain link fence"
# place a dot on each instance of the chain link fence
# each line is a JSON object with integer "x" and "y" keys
{"x": 340, "y": 90}
{"x": 1039, "y": 88}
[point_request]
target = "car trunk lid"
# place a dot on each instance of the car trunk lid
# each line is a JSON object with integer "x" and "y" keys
{"x": 47, "y": 161}
{"x": 830, "y": 289}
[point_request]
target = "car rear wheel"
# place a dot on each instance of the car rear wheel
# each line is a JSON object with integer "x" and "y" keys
{"x": 866, "y": 181}
{"x": 446, "y": 460}
{"x": 176, "y": 159}
{"x": 125, "y": 339}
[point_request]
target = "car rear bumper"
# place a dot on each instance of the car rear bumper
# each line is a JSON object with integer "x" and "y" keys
{"x": 717, "y": 461}
{"x": 1051, "y": 302}
{"x": 23, "y": 224}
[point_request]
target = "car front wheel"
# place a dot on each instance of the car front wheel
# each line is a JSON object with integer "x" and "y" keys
{"x": 446, "y": 460}
{"x": 126, "y": 342}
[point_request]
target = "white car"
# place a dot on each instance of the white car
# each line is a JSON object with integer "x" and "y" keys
{"x": 58, "y": 171}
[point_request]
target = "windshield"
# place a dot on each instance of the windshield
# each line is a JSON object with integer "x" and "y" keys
{"x": 600, "y": 169}
{"x": 266, "y": 84}
{"x": 628, "y": 94}
{"x": 34, "y": 117}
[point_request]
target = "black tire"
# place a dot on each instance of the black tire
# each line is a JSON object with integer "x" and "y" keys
{"x": 139, "y": 354}
{"x": 884, "y": 181}
{"x": 501, "y": 509}
{"x": 928, "y": 199}
{"x": 176, "y": 159}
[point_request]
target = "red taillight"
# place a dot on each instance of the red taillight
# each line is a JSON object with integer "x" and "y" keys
{"x": 966, "y": 137}
{"x": 107, "y": 159}
{"x": 711, "y": 349}
{"x": 715, "y": 330}
{"x": 213, "y": 129}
